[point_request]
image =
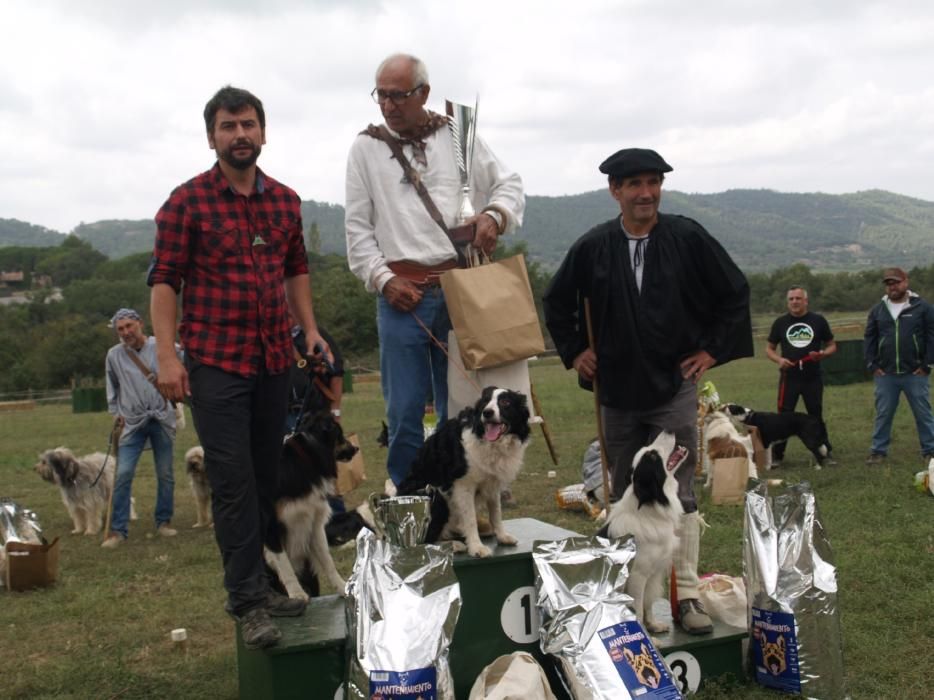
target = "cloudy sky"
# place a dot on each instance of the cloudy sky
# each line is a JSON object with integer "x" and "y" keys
{"x": 101, "y": 100}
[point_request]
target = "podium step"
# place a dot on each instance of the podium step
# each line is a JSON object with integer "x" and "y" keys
{"x": 498, "y": 616}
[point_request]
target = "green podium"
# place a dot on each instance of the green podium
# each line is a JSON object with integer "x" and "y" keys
{"x": 498, "y": 616}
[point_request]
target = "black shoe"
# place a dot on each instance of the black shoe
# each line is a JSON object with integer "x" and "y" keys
{"x": 257, "y": 630}
{"x": 278, "y": 605}
{"x": 875, "y": 458}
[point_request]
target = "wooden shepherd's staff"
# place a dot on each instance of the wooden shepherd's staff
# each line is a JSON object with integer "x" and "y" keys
{"x": 596, "y": 402}
{"x": 114, "y": 447}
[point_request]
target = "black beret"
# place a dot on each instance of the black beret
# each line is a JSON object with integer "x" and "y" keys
{"x": 632, "y": 161}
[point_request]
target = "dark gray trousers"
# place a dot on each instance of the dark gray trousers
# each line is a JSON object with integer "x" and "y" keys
{"x": 626, "y": 432}
{"x": 241, "y": 423}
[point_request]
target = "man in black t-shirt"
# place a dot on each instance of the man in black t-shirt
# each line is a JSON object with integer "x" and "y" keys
{"x": 805, "y": 339}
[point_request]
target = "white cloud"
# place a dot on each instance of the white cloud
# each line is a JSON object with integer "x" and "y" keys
{"x": 100, "y": 102}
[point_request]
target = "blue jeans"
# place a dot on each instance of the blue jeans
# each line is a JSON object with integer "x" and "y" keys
{"x": 127, "y": 458}
{"x": 916, "y": 388}
{"x": 412, "y": 366}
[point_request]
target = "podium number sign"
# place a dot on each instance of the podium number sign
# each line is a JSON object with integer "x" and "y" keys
{"x": 519, "y": 616}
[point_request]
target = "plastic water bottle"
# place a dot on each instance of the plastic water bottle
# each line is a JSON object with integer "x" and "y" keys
{"x": 430, "y": 421}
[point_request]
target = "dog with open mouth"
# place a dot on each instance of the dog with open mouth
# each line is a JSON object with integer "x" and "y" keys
{"x": 651, "y": 512}
{"x": 467, "y": 462}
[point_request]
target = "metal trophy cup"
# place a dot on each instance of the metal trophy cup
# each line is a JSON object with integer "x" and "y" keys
{"x": 402, "y": 520}
{"x": 462, "y": 123}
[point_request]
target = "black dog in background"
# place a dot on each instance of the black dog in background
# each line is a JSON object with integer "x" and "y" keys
{"x": 777, "y": 427}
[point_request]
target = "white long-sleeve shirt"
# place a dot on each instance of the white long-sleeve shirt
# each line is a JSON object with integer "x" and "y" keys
{"x": 386, "y": 220}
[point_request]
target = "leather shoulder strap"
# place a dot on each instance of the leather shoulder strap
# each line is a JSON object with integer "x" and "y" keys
{"x": 147, "y": 372}
{"x": 411, "y": 174}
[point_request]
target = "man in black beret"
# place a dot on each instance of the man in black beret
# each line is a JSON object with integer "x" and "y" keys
{"x": 667, "y": 303}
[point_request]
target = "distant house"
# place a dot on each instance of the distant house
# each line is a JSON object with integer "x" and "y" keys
{"x": 12, "y": 280}
{"x": 41, "y": 281}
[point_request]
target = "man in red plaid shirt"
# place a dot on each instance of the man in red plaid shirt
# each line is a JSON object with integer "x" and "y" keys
{"x": 230, "y": 241}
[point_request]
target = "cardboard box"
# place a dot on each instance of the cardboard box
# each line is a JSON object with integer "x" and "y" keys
{"x": 759, "y": 454}
{"x": 353, "y": 473}
{"x": 31, "y": 565}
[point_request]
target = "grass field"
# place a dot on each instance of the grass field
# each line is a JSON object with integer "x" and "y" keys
{"x": 103, "y": 630}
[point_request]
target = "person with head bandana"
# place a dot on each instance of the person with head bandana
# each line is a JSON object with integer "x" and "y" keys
{"x": 135, "y": 402}
{"x": 667, "y": 303}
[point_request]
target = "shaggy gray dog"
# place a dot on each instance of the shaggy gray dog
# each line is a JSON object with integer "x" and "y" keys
{"x": 74, "y": 476}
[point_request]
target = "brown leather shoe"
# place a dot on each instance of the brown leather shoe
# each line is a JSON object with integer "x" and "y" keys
{"x": 257, "y": 630}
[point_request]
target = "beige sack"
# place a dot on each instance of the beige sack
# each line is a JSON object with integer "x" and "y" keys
{"x": 515, "y": 676}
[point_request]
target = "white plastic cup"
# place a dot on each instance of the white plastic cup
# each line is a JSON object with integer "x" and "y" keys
{"x": 180, "y": 639}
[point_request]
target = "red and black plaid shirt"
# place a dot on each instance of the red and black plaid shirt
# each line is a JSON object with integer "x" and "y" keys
{"x": 233, "y": 254}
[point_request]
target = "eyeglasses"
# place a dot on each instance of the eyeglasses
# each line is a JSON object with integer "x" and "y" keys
{"x": 396, "y": 97}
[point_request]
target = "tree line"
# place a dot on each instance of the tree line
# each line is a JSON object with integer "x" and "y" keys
{"x": 48, "y": 344}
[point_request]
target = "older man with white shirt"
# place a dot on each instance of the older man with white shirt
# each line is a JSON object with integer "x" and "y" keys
{"x": 398, "y": 250}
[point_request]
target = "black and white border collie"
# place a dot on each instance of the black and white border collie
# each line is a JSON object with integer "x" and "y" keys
{"x": 467, "y": 462}
{"x": 296, "y": 543}
{"x": 651, "y": 512}
{"x": 778, "y": 427}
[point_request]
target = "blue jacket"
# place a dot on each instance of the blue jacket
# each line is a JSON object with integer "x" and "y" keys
{"x": 900, "y": 345}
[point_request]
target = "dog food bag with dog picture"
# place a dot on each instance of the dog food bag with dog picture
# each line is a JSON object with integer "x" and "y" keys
{"x": 795, "y": 641}
{"x": 588, "y": 624}
{"x": 403, "y": 605}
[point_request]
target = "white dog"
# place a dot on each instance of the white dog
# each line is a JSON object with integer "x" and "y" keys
{"x": 651, "y": 512}
{"x": 200, "y": 487}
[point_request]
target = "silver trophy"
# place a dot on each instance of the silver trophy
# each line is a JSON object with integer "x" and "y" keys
{"x": 402, "y": 520}
{"x": 462, "y": 123}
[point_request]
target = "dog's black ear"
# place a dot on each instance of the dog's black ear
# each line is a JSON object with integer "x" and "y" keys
{"x": 486, "y": 395}
{"x": 648, "y": 479}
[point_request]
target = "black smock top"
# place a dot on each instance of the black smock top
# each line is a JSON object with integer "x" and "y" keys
{"x": 693, "y": 297}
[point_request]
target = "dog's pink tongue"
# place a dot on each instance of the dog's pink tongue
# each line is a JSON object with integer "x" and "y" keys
{"x": 678, "y": 455}
{"x": 493, "y": 431}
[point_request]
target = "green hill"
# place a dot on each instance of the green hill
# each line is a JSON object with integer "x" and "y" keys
{"x": 762, "y": 229}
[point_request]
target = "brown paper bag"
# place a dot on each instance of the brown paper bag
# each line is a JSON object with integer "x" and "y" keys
{"x": 353, "y": 473}
{"x": 493, "y": 313}
{"x": 729, "y": 480}
{"x": 760, "y": 454}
